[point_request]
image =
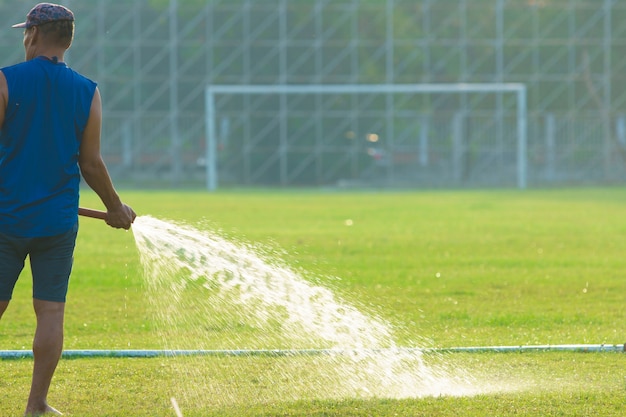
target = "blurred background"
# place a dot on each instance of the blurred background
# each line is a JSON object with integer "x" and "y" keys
{"x": 155, "y": 59}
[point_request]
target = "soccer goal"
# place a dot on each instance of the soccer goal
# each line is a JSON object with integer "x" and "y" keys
{"x": 428, "y": 135}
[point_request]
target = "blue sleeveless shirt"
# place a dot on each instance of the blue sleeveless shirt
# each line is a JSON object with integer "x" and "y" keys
{"x": 48, "y": 108}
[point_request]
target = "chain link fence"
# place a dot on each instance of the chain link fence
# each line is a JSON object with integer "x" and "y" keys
{"x": 154, "y": 58}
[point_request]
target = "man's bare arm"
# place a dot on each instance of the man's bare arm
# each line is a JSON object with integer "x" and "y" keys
{"x": 4, "y": 97}
{"x": 95, "y": 172}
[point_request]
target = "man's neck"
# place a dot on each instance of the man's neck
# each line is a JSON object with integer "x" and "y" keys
{"x": 52, "y": 54}
{"x": 54, "y": 59}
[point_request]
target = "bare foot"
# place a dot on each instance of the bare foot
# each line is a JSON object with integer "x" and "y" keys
{"x": 49, "y": 411}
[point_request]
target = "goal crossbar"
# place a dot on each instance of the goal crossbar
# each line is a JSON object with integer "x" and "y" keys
{"x": 515, "y": 88}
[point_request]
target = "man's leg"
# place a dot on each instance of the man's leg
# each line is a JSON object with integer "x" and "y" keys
{"x": 51, "y": 261}
{"x": 47, "y": 349}
{"x": 3, "y": 307}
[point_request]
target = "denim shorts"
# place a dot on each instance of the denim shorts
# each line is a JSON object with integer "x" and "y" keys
{"x": 51, "y": 260}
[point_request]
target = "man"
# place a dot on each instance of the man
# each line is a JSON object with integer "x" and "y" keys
{"x": 50, "y": 120}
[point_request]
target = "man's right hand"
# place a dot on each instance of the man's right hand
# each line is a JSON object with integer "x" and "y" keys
{"x": 121, "y": 217}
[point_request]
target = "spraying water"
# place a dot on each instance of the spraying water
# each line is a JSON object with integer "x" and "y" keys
{"x": 212, "y": 293}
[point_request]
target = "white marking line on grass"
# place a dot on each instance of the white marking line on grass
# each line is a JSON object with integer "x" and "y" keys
{"x": 176, "y": 408}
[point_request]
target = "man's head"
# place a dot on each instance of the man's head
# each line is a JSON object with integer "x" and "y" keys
{"x": 49, "y": 24}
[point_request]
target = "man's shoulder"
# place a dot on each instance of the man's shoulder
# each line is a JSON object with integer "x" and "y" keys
{"x": 82, "y": 76}
{"x": 3, "y": 82}
{"x": 14, "y": 66}
{"x": 21, "y": 67}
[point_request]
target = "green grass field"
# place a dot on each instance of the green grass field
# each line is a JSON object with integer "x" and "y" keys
{"x": 446, "y": 268}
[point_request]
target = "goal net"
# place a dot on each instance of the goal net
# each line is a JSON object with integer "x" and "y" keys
{"x": 417, "y": 135}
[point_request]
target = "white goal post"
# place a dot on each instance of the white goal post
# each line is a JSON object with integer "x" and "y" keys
{"x": 518, "y": 89}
